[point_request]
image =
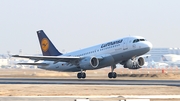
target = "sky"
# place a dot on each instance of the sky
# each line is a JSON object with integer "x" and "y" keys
{"x": 77, "y": 24}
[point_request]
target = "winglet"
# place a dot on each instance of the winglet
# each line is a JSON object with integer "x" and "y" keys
{"x": 47, "y": 47}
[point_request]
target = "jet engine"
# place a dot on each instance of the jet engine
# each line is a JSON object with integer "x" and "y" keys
{"x": 89, "y": 63}
{"x": 134, "y": 63}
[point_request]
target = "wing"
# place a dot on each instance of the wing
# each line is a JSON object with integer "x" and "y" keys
{"x": 39, "y": 64}
{"x": 50, "y": 58}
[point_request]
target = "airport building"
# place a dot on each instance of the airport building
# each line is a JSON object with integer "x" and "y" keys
{"x": 156, "y": 53}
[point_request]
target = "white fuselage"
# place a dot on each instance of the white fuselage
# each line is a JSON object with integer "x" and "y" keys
{"x": 118, "y": 50}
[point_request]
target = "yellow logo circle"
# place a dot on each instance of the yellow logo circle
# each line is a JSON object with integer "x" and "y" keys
{"x": 45, "y": 44}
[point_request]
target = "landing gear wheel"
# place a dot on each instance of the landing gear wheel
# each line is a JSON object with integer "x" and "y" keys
{"x": 78, "y": 75}
{"x": 112, "y": 75}
{"x": 81, "y": 75}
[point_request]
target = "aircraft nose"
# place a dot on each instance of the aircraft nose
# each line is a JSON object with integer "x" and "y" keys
{"x": 149, "y": 45}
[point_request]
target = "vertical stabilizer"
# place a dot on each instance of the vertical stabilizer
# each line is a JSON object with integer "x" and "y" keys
{"x": 47, "y": 47}
{"x": 163, "y": 58}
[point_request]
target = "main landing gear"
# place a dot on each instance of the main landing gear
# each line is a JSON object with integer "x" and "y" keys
{"x": 81, "y": 75}
{"x": 112, "y": 74}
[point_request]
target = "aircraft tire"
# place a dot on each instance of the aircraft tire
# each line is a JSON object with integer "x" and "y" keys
{"x": 78, "y": 75}
{"x": 114, "y": 75}
{"x": 83, "y": 75}
{"x": 110, "y": 74}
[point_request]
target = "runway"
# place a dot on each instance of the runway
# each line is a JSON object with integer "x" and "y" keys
{"x": 91, "y": 98}
{"x": 87, "y": 81}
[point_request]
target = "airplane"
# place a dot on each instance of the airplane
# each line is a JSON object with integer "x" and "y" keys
{"x": 150, "y": 63}
{"x": 125, "y": 51}
{"x": 171, "y": 59}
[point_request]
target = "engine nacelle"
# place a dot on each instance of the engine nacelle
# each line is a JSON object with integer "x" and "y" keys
{"x": 134, "y": 64}
{"x": 89, "y": 63}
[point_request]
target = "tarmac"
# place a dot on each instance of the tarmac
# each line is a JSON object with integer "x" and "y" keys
{"x": 87, "y": 81}
{"x": 21, "y": 78}
{"x": 93, "y": 98}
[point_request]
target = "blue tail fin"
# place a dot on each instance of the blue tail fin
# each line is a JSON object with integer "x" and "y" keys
{"x": 48, "y": 49}
{"x": 164, "y": 58}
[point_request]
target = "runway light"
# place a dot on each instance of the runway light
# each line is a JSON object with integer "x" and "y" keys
{"x": 135, "y": 100}
{"x": 82, "y": 99}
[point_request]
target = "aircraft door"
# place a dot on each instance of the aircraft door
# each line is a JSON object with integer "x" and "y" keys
{"x": 125, "y": 44}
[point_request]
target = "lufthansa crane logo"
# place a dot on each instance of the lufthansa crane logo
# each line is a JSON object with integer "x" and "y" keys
{"x": 45, "y": 44}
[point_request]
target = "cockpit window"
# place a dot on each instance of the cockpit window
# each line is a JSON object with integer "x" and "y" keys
{"x": 134, "y": 41}
{"x": 142, "y": 39}
{"x": 137, "y": 40}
